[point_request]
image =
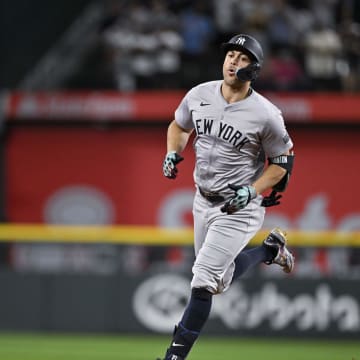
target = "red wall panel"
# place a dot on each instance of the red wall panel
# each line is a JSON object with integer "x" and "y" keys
{"x": 124, "y": 165}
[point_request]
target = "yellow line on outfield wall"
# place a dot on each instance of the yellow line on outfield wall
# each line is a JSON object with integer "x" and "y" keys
{"x": 120, "y": 234}
{"x": 149, "y": 235}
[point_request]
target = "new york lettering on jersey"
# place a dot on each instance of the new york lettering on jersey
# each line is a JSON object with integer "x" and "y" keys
{"x": 224, "y": 131}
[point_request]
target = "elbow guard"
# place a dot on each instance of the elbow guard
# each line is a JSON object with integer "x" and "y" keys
{"x": 287, "y": 163}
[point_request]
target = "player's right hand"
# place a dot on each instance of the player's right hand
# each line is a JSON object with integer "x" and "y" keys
{"x": 243, "y": 195}
{"x": 170, "y": 170}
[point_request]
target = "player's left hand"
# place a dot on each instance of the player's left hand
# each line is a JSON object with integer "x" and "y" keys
{"x": 243, "y": 195}
{"x": 271, "y": 200}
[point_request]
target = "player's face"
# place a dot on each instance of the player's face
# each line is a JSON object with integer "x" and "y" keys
{"x": 234, "y": 60}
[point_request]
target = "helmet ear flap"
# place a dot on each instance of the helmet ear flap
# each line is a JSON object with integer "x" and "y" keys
{"x": 249, "y": 73}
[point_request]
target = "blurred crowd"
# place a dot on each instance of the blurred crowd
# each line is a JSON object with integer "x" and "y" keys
{"x": 309, "y": 45}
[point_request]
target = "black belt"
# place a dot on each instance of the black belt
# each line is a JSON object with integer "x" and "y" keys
{"x": 213, "y": 197}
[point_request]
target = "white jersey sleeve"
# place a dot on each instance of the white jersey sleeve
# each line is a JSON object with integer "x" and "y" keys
{"x": 275, "y": 138}
{"x": 183, "y": 113}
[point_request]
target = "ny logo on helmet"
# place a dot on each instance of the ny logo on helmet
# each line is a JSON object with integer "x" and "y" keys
{"x": 240, "y": 41}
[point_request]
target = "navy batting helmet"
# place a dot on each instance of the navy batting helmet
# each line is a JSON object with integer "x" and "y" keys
{"x": 252, "y": 48}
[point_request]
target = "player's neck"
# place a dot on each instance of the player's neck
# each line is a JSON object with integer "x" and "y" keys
{"x": 234, "y": 94}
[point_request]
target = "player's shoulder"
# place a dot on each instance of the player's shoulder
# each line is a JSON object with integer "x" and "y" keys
{"x": 265, "y": 104}
{"x": 204, "y": 88}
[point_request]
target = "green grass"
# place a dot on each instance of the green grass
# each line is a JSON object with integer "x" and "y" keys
{"x": 102, "y": 347}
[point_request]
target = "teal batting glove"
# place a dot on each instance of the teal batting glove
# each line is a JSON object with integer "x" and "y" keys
{"x": 243, "y": 195}
{"x": 170, "y": 170}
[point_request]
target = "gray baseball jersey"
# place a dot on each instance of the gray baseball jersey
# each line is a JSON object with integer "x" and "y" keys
{"x": 231, "y": 145}
{"x": 231, "y": 139}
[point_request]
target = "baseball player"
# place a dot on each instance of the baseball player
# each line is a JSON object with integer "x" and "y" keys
{"x": 242, "y": 150}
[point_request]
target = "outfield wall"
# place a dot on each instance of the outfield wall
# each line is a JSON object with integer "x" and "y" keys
{"x": 153, "y": 303}
{"x": 95, "y": 159}
{"x": 84, "y": 175}
{"x": 136, "y": 280}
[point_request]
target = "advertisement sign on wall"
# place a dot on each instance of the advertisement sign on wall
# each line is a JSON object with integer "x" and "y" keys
{"x": 114, "y": 176}
{"x": 253, "y": 306}
{"x": 154, "y": 303}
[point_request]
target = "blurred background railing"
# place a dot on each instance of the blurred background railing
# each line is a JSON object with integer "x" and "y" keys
{"x": 89, "y": 224}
